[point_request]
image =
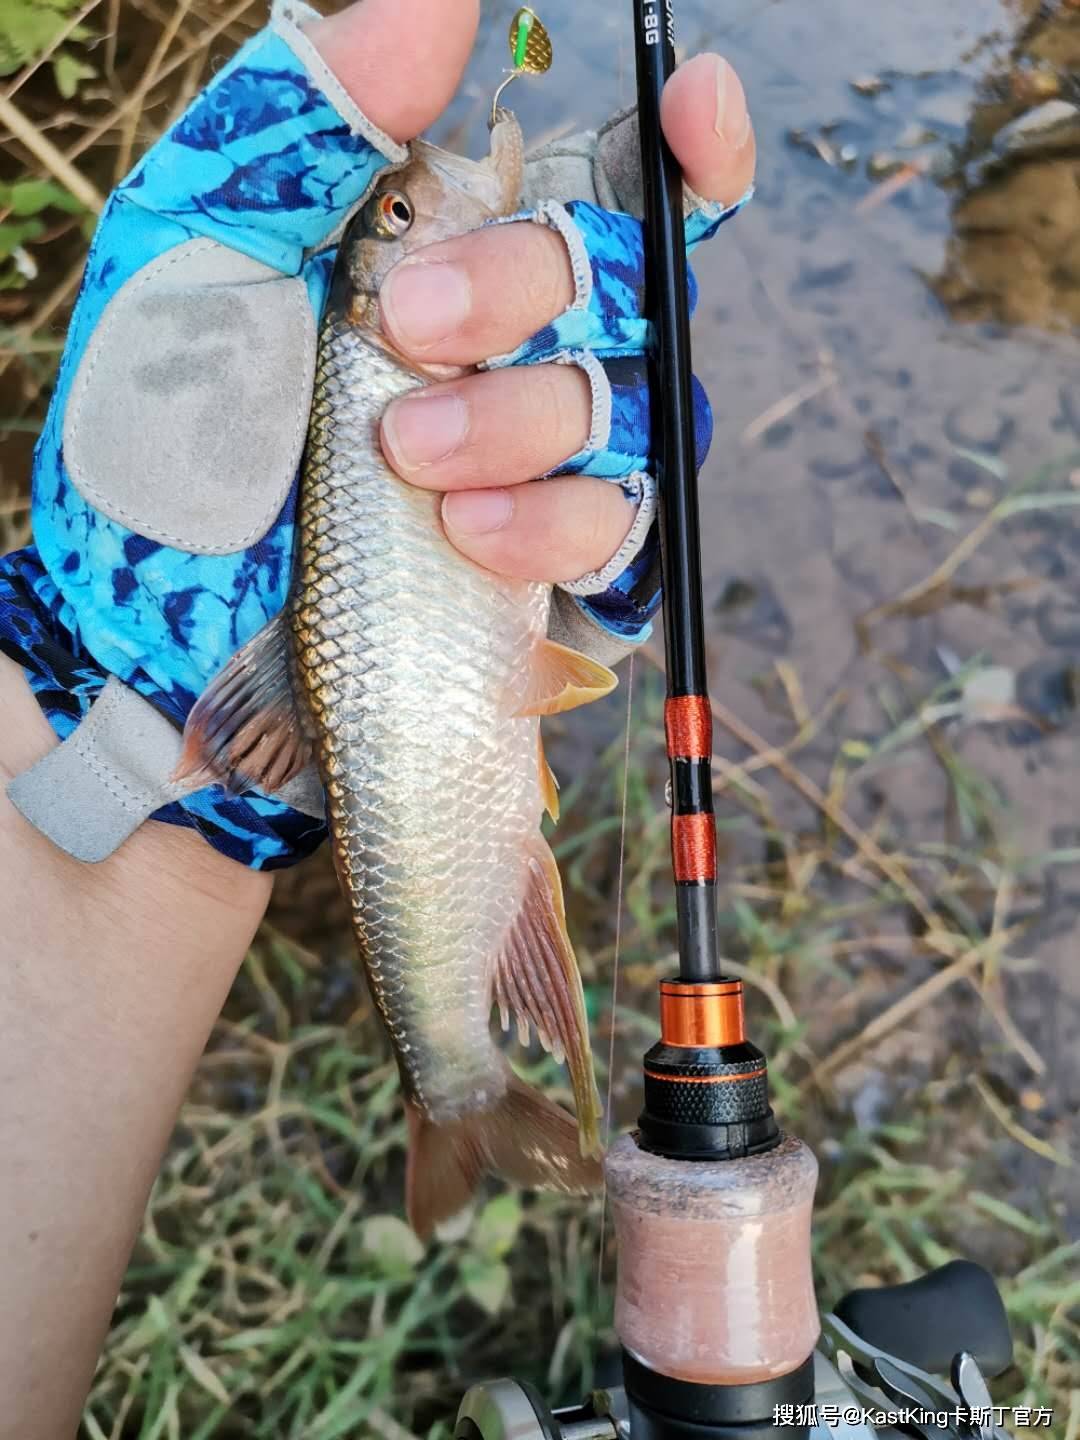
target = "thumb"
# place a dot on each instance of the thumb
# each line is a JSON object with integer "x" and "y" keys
{"x": 400, "y": 60}
{"x": 705, "y": 120}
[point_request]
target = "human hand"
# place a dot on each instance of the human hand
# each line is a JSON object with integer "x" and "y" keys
{"x": 485, "y": 439}
{"x": 164, "y": 488}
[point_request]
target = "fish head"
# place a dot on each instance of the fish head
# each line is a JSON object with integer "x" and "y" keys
{"x": 435, "y": 196}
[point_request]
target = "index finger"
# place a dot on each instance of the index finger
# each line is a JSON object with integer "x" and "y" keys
{"x": 465, "y": 300}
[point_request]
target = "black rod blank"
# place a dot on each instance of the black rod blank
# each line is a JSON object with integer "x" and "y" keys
{"x": 671, "y": 396}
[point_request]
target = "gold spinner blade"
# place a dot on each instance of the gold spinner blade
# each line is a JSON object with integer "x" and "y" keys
{"x": 530, "y": 43}
{"x": 530, "y": 50}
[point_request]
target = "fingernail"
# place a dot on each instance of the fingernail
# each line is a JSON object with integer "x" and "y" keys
{"x": 476, "y": 512}
{"x": 423, "y": 429}
{"x": 732, "y": 122}
{"x": 425, "y": 301}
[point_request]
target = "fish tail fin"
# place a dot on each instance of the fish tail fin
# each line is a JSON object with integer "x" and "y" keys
{"x": 524, "y": 1137}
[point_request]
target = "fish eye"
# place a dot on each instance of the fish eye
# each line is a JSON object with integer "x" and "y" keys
{"x": 393, "y": 214}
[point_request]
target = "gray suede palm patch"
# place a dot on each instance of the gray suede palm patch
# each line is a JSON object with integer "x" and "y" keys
{"x": 187, "y": 416}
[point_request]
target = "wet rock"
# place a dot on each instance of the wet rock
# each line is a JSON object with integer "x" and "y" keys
{"x": 837, "y": 455}
{"x": 1006, "y": 274}
{"x": 813, "y": 144}
{"x": 1054, "y": 124}
{"x": 778, "y": 435}
{"x": 1046, "y": 560}
{"x": 1031, "y": 83}
{"x": 1058, "y": 620}
{"x": 914, "y": 137}
{"x": 1070, "y": 401}
{"x": 1050, "y": 692}
{"x": 1068, "y": 262}
{"x": 749, "y": 607}
{"x": 818, "y": 277}
{"x": 869, "y": 85}
{"x": 1068, "y": 306}
{"x": 882, "y": 164}
{"x": 735, "y": 595}
{"x": 1050, "y": 195}
{"x": 826, "y": 143}
{"x": 1039, "y": 202}
{"x": 979, "y": 425}
{"x": 1058, "y": 45}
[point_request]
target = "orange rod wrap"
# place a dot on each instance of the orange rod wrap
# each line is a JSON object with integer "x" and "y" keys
{"x": 693, "y": 847}
{"x": 688, "y": 726}
{"x": 703, "y": 1014}
{"x": 706, "y": 1079}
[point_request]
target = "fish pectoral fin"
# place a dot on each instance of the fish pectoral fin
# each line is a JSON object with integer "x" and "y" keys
{"x": 537, "y": 981}
{"x": 549, "y": 786}
{"x": 561, "y": 679}
{"x": 244, "y": 730}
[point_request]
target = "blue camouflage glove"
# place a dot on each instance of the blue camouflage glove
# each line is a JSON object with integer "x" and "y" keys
{"x": 126, "y": 577}
{"x": 165, "y": 478}
{"x": 603, "y": 331}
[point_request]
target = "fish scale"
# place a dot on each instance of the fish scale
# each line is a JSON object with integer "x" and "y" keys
{"x": 392, "y": 628}
{"x": 416, "y": 679}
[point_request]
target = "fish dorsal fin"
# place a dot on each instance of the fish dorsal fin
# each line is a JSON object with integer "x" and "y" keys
{"x": 244, "y": 729}
{"x": 561, "y": 679}
{"x": 537, "y": 981}
{"x": 549, "y": 786}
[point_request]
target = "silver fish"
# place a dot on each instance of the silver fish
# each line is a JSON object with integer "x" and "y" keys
{"x": 416, "y": 679}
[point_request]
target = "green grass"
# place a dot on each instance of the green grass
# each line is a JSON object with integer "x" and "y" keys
{"x": 276, "y": 1292}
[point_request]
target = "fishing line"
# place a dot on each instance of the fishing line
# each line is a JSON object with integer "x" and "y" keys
{"x": 620, "y": 89}
{"x": 615, "y": 961}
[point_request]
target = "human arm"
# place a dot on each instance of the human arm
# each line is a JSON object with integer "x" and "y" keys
{"x": 111, "y": 977}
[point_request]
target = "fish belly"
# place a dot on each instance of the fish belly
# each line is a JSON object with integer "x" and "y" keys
{"x": 412, "y": 661}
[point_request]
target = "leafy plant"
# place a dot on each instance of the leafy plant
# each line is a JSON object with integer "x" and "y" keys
{"x": 29, "y": 27}
{"x": 27, "y": 203}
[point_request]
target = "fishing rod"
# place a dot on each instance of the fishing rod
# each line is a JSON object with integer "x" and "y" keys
{"x": 714, "y": 1306}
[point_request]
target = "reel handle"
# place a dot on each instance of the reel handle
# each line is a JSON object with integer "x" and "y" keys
{"x": 928, "y": 1320}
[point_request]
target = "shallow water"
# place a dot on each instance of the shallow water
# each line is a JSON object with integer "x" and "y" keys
{"x": 854, "y": 355}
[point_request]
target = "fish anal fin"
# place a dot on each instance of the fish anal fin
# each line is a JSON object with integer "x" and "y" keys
{"x": 537, "y": 980}
{"x": 561, "y": 679}
{"x": 244, "y": 730}
{"x": 524, "y": 1137}
{"x": 549, "y": 786}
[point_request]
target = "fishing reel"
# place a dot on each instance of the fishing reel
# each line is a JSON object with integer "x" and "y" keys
{"x": 879, "y": 1371}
